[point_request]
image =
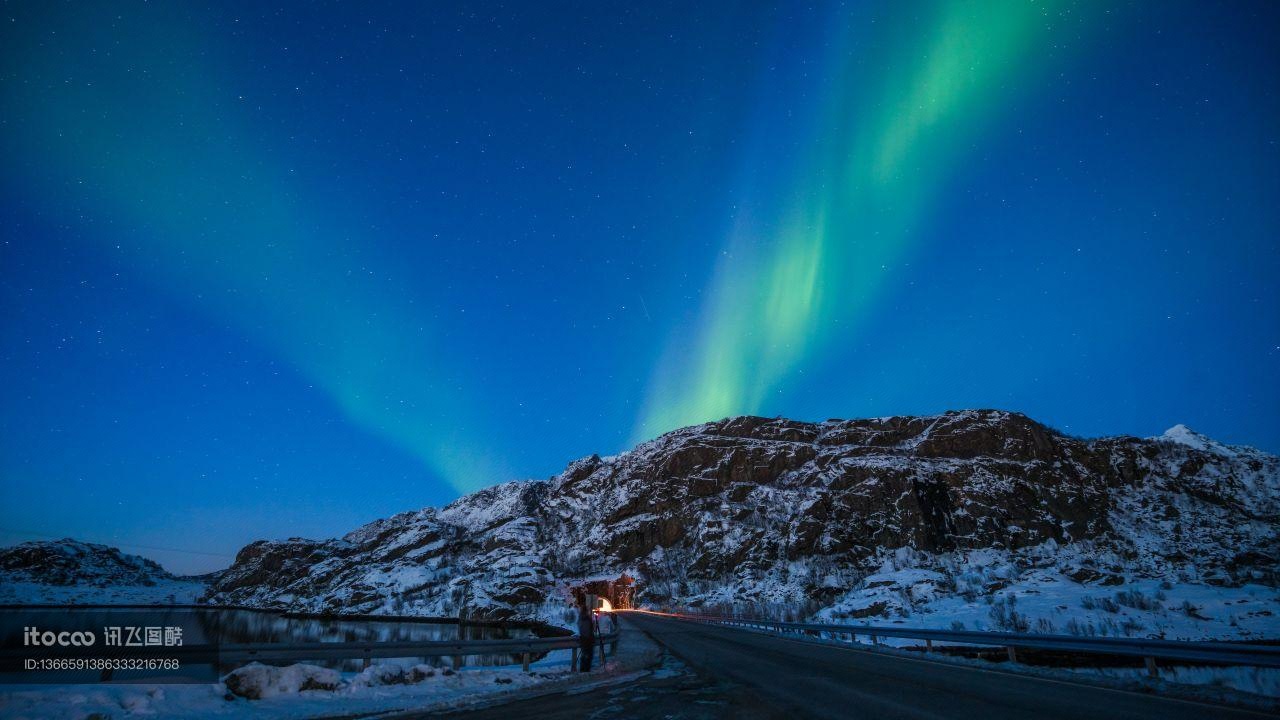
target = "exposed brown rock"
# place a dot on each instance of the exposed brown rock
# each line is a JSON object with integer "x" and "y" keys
{"x": 805, "y": 506}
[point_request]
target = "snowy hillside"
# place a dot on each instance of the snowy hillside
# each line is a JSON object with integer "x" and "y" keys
{"x": 73, "y": 572}
{"x": 984, "y": 518}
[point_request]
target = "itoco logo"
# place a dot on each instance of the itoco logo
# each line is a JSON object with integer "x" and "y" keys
{"x": 33, "y": 636}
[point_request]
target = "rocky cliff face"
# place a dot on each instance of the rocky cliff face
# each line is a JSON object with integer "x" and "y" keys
{"x": 784, "y": 514}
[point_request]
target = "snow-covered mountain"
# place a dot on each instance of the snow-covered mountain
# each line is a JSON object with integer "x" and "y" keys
{"x": 73, "y": 572}
{"x": 72, "y": 562}
{"x": 982, "y": 518}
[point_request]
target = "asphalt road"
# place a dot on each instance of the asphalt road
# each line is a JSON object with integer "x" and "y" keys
{"x": 738, "y": 674}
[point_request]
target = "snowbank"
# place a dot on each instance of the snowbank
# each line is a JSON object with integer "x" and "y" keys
{"x": 297, "y": 691}
{"x": 256, "y": 681}
{"x": 165, "y": 592}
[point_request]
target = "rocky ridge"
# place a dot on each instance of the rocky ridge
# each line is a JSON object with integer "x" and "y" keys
{"x": 845, "y": 518}
{"x": 70, "y": 562}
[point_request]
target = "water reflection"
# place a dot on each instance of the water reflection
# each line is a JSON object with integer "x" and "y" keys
{"x": 250, "y": 626}
{"x": 253, "y": 626}
{"x": 229, "y": 627}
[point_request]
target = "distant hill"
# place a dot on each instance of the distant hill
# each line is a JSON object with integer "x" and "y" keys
{"x": 73, "y": 572}
{"x": 71, "y": 562}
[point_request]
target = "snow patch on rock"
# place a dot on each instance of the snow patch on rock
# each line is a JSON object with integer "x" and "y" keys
{"x": 971, "y": 517}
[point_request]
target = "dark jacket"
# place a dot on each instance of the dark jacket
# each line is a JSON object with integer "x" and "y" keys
{"x": 586, "y": 628}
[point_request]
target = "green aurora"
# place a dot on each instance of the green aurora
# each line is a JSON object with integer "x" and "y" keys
{"x": 890, "y": 132}
{"x": 207, "y": 216}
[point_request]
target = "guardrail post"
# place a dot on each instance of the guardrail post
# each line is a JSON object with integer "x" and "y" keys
{"x": 1152, "y": 670}
{"x": 524, "y": 662}
{"x": 928, "y": 645}
{"x": 367, "y": 662}
{"x": 457, "y": 662}
{"x": 1013, "y": 654}
{"x": 574, "y": 664}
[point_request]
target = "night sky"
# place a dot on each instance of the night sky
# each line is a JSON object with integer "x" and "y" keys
{"x": 278, "y": 271}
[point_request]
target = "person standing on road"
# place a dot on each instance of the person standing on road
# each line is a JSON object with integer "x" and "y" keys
{"x": 586, "y": 635}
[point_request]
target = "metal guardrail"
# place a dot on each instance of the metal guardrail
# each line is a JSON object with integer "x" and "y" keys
{"x": 1148, "y": 649}
{"x": 457, "y": 649}
{"x": 269, "y": 652}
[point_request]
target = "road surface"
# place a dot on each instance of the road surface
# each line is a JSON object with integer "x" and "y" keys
{"x": 738, "y": 674}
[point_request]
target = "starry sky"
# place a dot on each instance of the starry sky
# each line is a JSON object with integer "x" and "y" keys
{"x": 272, "y": 271}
